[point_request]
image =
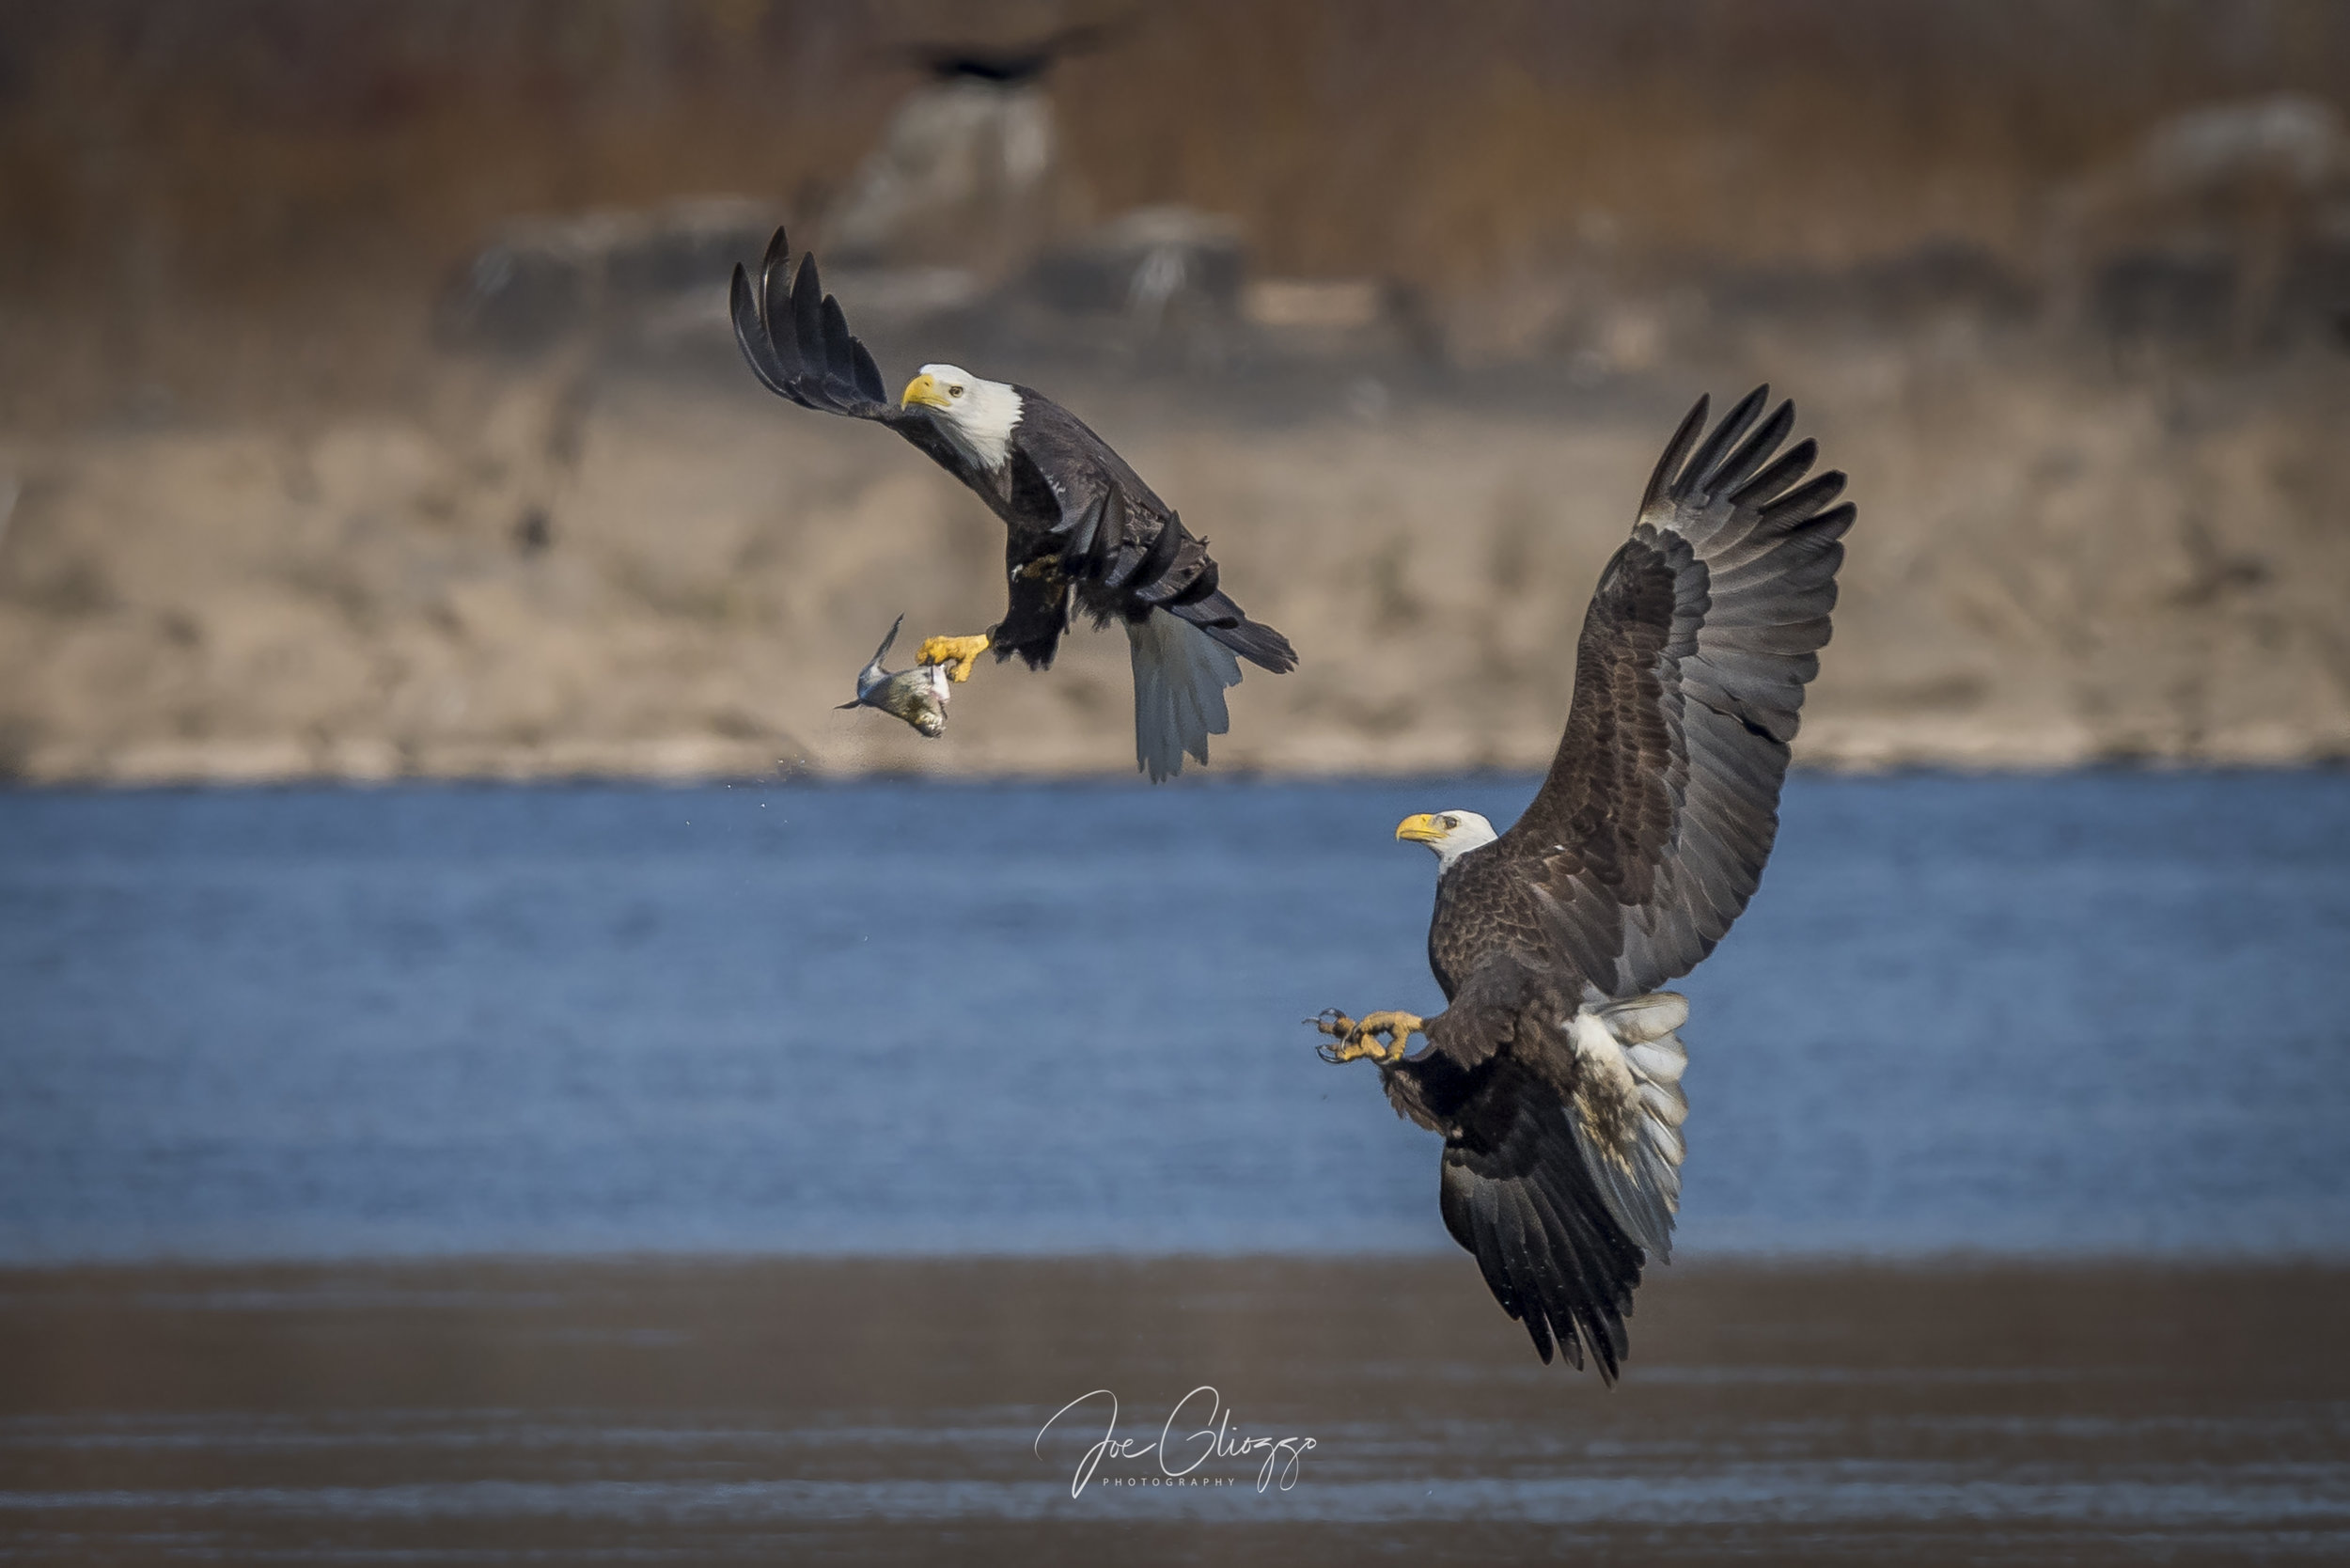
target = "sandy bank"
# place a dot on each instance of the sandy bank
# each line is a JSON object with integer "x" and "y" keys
{"x": 646, "y": 575}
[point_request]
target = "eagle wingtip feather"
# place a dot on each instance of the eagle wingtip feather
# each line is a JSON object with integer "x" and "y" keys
{"x": 1668, "y": 465}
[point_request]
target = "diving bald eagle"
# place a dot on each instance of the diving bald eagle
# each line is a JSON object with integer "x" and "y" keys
{"x": 1085, "y": 533}
{"x": 1554, "y": 1073}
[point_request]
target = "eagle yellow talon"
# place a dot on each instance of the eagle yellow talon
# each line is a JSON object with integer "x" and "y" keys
{"x": 960, "y": 652}
{"x": 1352, "y": 1040}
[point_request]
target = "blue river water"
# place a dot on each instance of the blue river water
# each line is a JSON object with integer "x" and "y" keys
{"x": 2105, "y": 1013}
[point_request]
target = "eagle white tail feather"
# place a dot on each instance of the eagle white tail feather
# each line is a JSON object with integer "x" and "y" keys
{"x": 1631, "y": 1108}
{"x": 1180, "y": 676}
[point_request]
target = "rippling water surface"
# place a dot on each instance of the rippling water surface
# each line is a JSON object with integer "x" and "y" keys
{"x": 904, "y": 1411}
{"x": 2097, "y": 1012}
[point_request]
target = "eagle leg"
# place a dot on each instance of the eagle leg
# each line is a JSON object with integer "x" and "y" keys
{"x": 1352, "y": 1039}
{"x": 960, "y": 652}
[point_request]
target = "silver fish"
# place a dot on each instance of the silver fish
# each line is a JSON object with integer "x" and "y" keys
{"x": 917, "y": 696}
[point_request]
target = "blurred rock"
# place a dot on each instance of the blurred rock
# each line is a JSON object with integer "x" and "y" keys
{"x": 967, "y": 176}
{"x": 541, "y": 280}
{"x": 1345, "y": 318}
{"x": 2286, "y": 138}
{"x": 2227, "y": 231}
{"x": 895, "y": 310}
{"x": 1145, "y": 263}
{"x": 1887, "y": 294}
{"x": 1159, "y": 284}
{"x": 1314, "y": 304}
{"x": 1517, "y": 320}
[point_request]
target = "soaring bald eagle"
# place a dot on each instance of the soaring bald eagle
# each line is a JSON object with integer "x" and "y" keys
{"x": 1554, "y": 1073}
{"x": 1084, "y": 532}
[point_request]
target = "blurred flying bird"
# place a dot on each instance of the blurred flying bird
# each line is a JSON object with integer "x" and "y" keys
{"x": 1554, "y": 1073}
{"x": 917, "y": 696}
{"x": 1085, "y": 534}
{"x": 1012, "y": 65}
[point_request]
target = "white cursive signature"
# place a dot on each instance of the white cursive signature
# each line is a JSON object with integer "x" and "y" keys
{"x": 1215, "y": 1440}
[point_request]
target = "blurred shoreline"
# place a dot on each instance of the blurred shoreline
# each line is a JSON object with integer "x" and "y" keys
{"x": 659, "y": 572}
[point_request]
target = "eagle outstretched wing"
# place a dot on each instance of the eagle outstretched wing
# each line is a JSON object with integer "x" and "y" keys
{"x": 798, "y": 342}
{"x": 1649, "y": 833}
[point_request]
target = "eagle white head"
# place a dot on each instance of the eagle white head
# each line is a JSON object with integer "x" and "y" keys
{"x": 1450, "y": 834}
{"x": 977, "y": 416}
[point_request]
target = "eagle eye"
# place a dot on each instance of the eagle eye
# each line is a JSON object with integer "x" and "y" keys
{"x": 954, "y": 391}
{"x": 1450, "y": 823}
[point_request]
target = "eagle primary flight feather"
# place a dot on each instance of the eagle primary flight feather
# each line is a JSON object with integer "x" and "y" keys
{"x": 1554, "y": 1073}
{"x": 1084, "y": 532}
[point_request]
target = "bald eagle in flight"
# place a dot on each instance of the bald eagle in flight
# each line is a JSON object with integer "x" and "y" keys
{"x": 1554, "y": 1073}
{"x": 1085, "y": 533}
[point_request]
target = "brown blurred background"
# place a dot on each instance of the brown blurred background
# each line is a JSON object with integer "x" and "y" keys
{"x": 366, "y": 406}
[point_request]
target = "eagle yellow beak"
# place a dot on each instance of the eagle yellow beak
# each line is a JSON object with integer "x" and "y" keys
{"x": 1421, "y": 829}
{"x": 923, "y": 390}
